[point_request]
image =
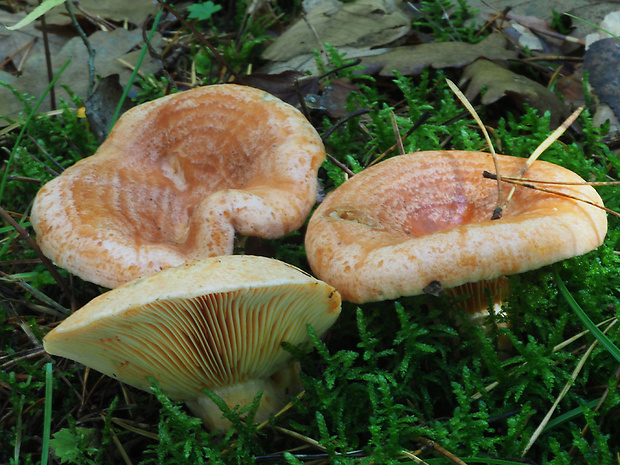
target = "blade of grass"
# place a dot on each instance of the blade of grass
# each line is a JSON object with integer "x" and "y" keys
{"x": 25, "y": 126}
{"x": 35, "y": 292}
{"x": 18, "y": 430}
{"x": 591, "y": 24}
{"x": 134, "y": 73}
{"x": 569, "y": 415}
{"x": 588, "y": 323}
{"x": 47, "y": 416}
{"x": 38, "y": 12}
{"x": 563, "y": 393}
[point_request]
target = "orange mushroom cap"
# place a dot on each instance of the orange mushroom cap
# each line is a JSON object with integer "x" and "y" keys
{"x": 176, "y": 179}
{"x": 217, "y": 323}
{"x": 415, "y": 219}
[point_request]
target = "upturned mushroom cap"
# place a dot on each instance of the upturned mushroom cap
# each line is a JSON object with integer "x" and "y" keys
{"x": 218, "y": 323}
{"x": 411, "y": 220}
{"x": 176, "y": 179}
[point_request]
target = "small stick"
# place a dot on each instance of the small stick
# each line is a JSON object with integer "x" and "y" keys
{"x": 324, "y": 55}
{"x": 12, "y": 56}
{"x": 31, "y": 242}
{"x": 222, "y": 61}
{"x": 413, "y": 457}
{"x": 399, "y": 141}
{"x": 421, "y": 120}
{"x": 428, "y": 443}
{"x": 519, "y": 182}
{"x": 87, "y": 44}
{"x": 523, "y": 181}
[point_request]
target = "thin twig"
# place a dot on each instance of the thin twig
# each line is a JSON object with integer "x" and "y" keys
{"x": 48, "y": 60}
{"x": 94, "y": 20}
{"x": 306, "y": 439}
{"x": 205, "y": 42}
{"x": 341, "y": 121}
{"x": 555, "y": 183}
{"x": 518, "y": 182}
{"x": 399, "y": 141}
{"x": 413, "y": 457}
{"x": 36, "y": 293}
{"x": 421, "y": 120}
{"x": 429, "y": 444}
{"x": 544, "y": 146}
{"x": 50, "y": 267}
{"x": 13, "y": 55}
{"x": 91, "y": 50}
{"x": 320, "y": 45}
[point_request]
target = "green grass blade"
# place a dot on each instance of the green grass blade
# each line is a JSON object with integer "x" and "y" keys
{"x": 576, "y": 412}
{"x": 47, "y": 416}
{"x": 35, "y": 108}
{"x": 134, "y": 73}
{"x": 595, "y": 26}
{"x": 588, "y": 323}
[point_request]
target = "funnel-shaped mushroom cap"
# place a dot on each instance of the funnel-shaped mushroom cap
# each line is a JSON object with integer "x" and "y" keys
{"x": 218, "y": 323}
{"x": 414, "y": 219}
{"x": 176, "y": 179}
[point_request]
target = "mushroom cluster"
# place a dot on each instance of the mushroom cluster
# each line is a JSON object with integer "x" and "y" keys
{"x": 424, "y": 219}
{"x": 176, "y": 179}
{"x": 217, "y": 323}
{"x": 179, "y": 177}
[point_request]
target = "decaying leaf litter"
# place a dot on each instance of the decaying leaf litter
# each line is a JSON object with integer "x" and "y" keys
{"x": 510, "y": 61}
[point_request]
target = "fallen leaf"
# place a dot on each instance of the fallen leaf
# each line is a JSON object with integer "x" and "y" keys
{"x": 109, "y": 47}
{"x": 588, "y": 10}
{"x": 287, "y": 85}
{"x": 365, "y": 23}
{"x": 412, "y": 59}
{"x": 11, "y": 42}
{"x": 501, "y": 82}
{"x": 533, "y": 8}
{"x": 333, "y": 98}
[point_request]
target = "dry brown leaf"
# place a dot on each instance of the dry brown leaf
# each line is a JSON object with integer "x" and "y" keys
{"x": 412, "y": 59}
{"x": 365, "y": 23}
{"x": 287, "y": 86}
{"x": 501, "y": 82}
{"x": 13, "y": 41}
{"x": 109, "y": 47}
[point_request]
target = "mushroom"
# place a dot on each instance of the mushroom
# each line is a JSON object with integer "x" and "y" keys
{"x": 425, "y": 218}
{"x": 176, "y": 179}
{"x": 217, "y": 323}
